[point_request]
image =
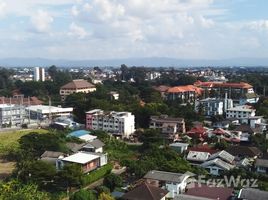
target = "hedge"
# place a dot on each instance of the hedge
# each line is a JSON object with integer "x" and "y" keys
{"x": 97, "y": 174}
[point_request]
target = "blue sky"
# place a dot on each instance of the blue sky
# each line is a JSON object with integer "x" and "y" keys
{"x": 101, "y": 29}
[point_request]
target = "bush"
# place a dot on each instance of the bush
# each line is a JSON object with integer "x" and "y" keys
{"x": 83, "y": 195}
{"x": 97, "y": 174}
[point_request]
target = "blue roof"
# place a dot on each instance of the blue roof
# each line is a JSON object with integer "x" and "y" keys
{"x": 78, "y": 133}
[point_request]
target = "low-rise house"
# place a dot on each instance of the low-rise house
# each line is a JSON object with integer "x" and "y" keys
{"x": 93, "y": 146}
{"x": 197, "y": 132}
{"x": 175, "y": 183}
{"x": 179, "y": 147}
{"x": 244, "y": 132}
{"x": 261, "y": 165}
{"x": 210, "y": 192}
{"x": 252, "y": 194}
{"x": 168, "y": 125}
{"x": 241, "y": 152}
{"x": 216, "y": 166}
{"x": 225, "y": 124}
{"x": 114, "y": 95}
{"x": 197, "y": 157}
{"x": 51, "y": 156}
{"x": 219, "y": 162}
{"x": 87, "y": 161}
{"x": 146, "y": 191}
{"x": 83, "y": 135}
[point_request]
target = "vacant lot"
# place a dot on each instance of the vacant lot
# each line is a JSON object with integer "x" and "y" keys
{"x": 9, "y": 141}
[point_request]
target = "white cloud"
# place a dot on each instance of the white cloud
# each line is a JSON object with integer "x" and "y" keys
{"x": 258, "y": 25}
{"x": 78, "y": 31}
{"x": 3, "y": 6}
{"x": 41, "y": 21}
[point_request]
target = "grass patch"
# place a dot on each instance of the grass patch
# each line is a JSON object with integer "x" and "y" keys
{"x": 9, "y": 140}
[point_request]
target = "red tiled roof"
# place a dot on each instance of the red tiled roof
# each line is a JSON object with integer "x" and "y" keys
{"x": 203, "y": 148}
{"x": 223, "y": 84}
{"x": 219, "y": 193}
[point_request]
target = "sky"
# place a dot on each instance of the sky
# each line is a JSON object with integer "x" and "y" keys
{"x": 113, "y": 29}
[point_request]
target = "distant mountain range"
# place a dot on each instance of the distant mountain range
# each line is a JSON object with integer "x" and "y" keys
{"x": 150, "y": 62}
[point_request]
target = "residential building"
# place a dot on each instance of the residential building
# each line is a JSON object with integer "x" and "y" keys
{"x": 213, "y": 106}
{"x": 42, "y": 112}
{"x": 244, "y": 131}
{"x": 11, "y": 114}
{"x": 210, "y": 192}
{"x": 39, "y": 74}
{"x": 235, "y": 91}
{"x": 76, "y": 86}
{"x": 240, "y": 112}
{"x": 82, "y": 135}
{"x": 117, "y": 123}
{"x": 241, "y": 152}
{"x": 252, "y": 194}
{"x": 146, "y": 191}
{"x": 261, "y": 166}
{"x": 114, "y": 95}
{"x": 175, "y": 183}
{"x": 168, "y": 125}
{"x": 51, "y": 156}
{"x": 88, "y": 161}
{"x": 197, "y": 157}
{"x": 219, "y": 162}
{"x": 197, "y": 131}
{"x": 179, "y": 147}
{"x": 163, "y": 90}
{"x": 188, "y": 93}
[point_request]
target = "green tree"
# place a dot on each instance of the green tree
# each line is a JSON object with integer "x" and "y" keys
{"x": 112, "y": 181}
{"x": 13, "y": 190}
{"x": 83, "y": 195}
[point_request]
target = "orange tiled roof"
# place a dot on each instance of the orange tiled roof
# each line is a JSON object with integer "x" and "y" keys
{"x": 222, "y": 84}
{"x": 185, "y": 88}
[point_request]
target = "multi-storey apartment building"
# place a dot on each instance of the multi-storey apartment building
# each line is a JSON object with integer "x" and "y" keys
{"x": 235, "y": 91}
{"x": 187, "y": 93}
{"x": 11, "y": 114}
{"x": 119, "y": 123}
{"x": 39, "y": 74}
{"x": 213, "y": 106}
{"x": 240, "y": 112}
{"x": 76, "y": 86}
{"x": 168, "y": 125}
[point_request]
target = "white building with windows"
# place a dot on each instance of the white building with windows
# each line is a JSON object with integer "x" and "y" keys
{"x": 240, "y": 112}
{"x": 117, "y": 123}
{"x": 213, "y": 106}
{"x": 11, "y": 114}
{"x": 39, "y": 74}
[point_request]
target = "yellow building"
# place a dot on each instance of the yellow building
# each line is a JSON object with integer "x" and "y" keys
{"x": 76, "y": 86}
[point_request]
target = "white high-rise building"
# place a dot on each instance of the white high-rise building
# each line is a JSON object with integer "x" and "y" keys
{"x": 39, "y": 74}
{"x": 118, "y": 123}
